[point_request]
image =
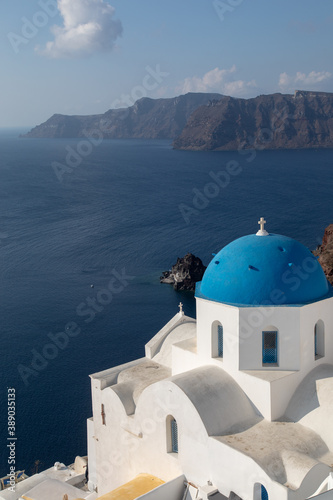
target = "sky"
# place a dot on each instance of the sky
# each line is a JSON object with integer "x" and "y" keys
{"x": 79, "y": 57}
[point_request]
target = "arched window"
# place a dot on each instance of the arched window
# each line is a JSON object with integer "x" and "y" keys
{"x": 319, "y": 339}
{"x": 172, "y": 434}
{"x": 264, "y": 494}
{"x": 260, "y": 492}
{"x": 217, "y": 340}
{"x": 270, "y": 347}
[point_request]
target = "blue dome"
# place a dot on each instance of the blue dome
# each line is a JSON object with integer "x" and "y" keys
{"x": 264, "y": 270}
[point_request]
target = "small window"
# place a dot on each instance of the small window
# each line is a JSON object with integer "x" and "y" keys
{"x": 220, "y": 341}
{"x": 319, "y": 340}
{"x": 171, "y": 434}
{"x": 174, "y": 436}
{"x": 217, "y": 340}
{"x": 269, "y": 348}
{"x": 264, "y": 494}
{"x": 260, "y": 492}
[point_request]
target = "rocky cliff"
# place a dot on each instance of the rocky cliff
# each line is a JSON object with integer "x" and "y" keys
{"x": 302, "y": 120}
{"x": 325, "y": 253}
{"x": 146, "y": 119}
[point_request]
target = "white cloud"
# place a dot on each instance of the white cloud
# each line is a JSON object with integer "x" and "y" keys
{"x": 285, "y": 80}
{"x": 313, "y": 77}
{"x": 217, "y": 80}
{"x": 238, "y": 87}
{"x": 303, "y": 81}
{"x": 88, "y": 27}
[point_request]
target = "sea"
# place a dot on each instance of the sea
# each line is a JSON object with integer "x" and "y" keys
{"x": 79, "y": 219}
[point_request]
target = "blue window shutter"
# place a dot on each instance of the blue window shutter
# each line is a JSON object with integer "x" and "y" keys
{"x": 264, "y": 494}
{"x": 269, "y": 347}
{"x": 174, "y": 436}
{"x": 220, "y": 341}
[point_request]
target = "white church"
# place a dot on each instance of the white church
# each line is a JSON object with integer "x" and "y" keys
{"x": 237, "y": 404}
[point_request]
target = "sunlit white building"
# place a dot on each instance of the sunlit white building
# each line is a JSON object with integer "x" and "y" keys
{"x": 235, "y": 404}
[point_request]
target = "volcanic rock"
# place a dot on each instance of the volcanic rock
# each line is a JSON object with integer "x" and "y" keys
{"x": 185, "y": 273}
{"x": 325, "y": 253}
{"x": 146, "y": 119}
{"x": 275, "y": 121}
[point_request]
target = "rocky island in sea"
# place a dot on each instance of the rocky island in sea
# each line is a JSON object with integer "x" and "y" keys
{"x": 276, "y": 121}
{"x": 203, "y": 121}
{"x": 146, "y": 119}
{"x": 185, "y": 273}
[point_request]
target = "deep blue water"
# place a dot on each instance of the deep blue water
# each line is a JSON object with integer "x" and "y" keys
{"x": 119, "y": 209}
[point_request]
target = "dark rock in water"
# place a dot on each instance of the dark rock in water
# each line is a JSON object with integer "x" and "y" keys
{"x": 185, "y": 273}
{"x": 325, "y": 253}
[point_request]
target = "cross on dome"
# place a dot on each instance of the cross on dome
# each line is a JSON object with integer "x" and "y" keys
{"x": 262, "y": 223}
{"x": 262, "y": 231}
{"x": 181, "y": 308}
